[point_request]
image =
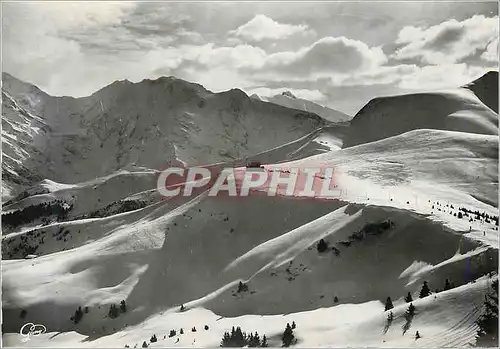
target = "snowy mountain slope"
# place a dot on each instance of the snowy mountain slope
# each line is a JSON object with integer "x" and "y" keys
{"x": 288, "y": 267}
{"x": 188, "y": 247}
{"x": 287, "y": 99}
{"x": 447, "y": 318}
{"x": 91, "y": 195}
{"x": 392, "y": 227}
{"x": 151, "y": 123}
{"x": 468, "y": 163}
{"x": 21, "y": 132}
{"x": 454, "y": 110}
{"x": 187, "y": 239}
{"x": 137, "y": 184}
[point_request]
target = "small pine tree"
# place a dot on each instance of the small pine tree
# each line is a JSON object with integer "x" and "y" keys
{"x": 447, "y": 285}
{"x": 226, "y": 340}
{"x": 390, "y": 318}
{"x": 182, "y": 307}
{"x": 322, "y": 246}
{"x": 417, "y": 335}
{"x": 172, "y": 333}
{"x": 288, "y": 336}
{"x": 193, "y": 329}
{"x": 242, "y": 287}
{"x": 206, "y": 327}
{"x": 388, "y": 304}
{"x": 293, "y": 325}
{"x": 256, "y": 339}
{"x": 78, "y": 315}
{"x": 487, "y": 335}
{"x": 408, "y": 298}
{"x": 181, "y": 331}
{"x": 264, "y": 342}
{"x": 410, "y": 311}
{"x": 425, "y": 291}
{"x": 123, "y": 306}
{"x": 251, "y": 341}
{"x": 153, "y": 339}
{"x": 336, "y": 299}
{"x": 240, "y": 337}
{"x": 144, "y": 344}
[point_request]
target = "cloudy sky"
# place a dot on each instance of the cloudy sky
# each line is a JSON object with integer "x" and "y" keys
{"x": 338, "y": 54}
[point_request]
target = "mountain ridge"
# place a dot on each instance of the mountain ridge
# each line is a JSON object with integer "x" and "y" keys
{"x": 148, "y": 124}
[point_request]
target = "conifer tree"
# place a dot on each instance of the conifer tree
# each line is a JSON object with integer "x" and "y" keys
{"x": 408, "y": 298}
{"x": 78, "y": 315}
{"x": 288, "y": 336}
{"x": 264, "y": 342}
{"x": 256, "y": 339}
{"x": 322, "y": 246}
{"x": 242, "y": 287}
{"x": 425, "y": 291}
{"x": 226, "y": 340}
{"x": 388, "y": 304}
{"x": 123, "y": 307}
{"x": 251, "y": 343}
{"x": 487, "y": 335}
{"x": 447, "y": 285}
{"x": 410, "y": 312}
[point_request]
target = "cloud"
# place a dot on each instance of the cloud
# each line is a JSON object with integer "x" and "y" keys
{"x": 440, "y": 76}
{"x": 327, "y": 57}
{"x": 324, "y": 57}
{"x": 237, "y": 57}
{"x": 262, "y": 27}
{"x": 382, "y": 75}
{"x": 311, "y": 95}
{"x": 448, "y": 42}
{"x": 80, "y": 47}
{"x": 46, "y": 56}
{"x": 491, "y": 53}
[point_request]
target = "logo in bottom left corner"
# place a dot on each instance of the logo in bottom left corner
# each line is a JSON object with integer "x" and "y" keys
{"x": 30, "y": 330}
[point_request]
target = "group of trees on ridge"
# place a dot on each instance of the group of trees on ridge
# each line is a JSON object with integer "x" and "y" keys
{"x": 424, "y": 292}
{"x": 58, "y": 208}
{"x": 238, "y": 338}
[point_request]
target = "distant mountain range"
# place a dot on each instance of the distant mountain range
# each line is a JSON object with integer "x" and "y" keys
{"x": 287, "y": 99}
